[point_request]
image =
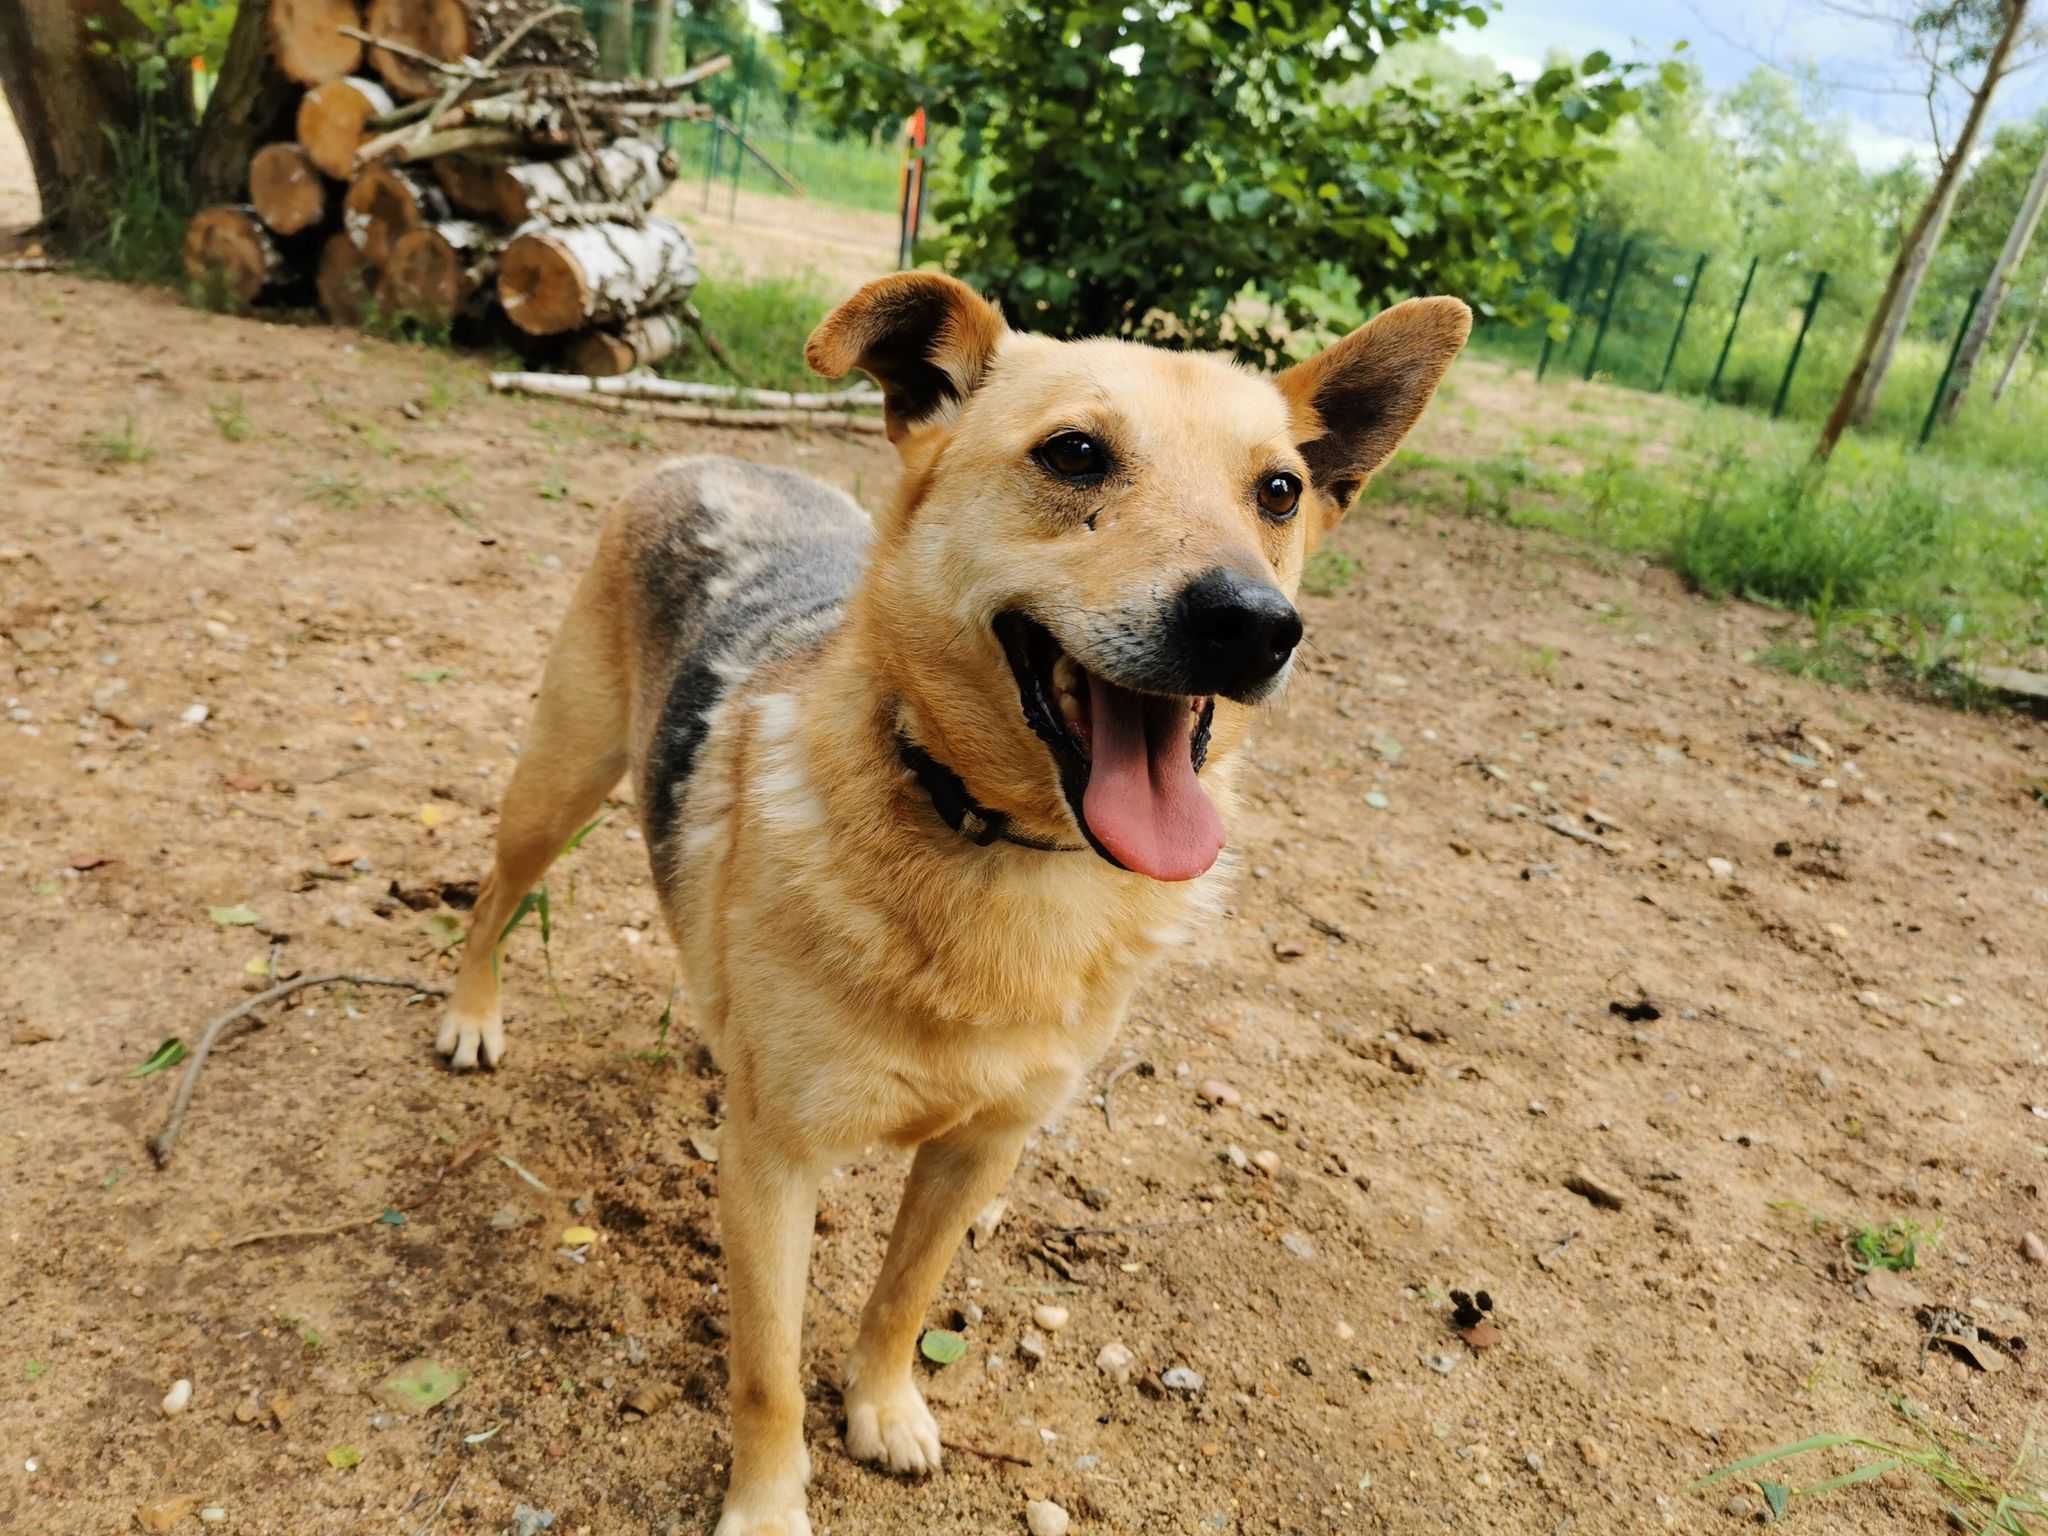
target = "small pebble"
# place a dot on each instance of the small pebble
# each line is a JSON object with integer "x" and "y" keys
{"x": 1218, "y": 1093}
{"x": 213, "y": 1514}
{"x": 1180, "y": 1379}
{"x": 178, "y": 1399}
{"x": 1592, "y": 1452}
{"x": 1534, "y": 1462}
{"x": 1051, "y": 1319}
{"x": 1297, "y": 1245}
{"x": 1031, "y": 1345}
{"x": 1046, "y": 1518}
{"x": 528, "y": 1521}
{"x": 1376, "y": 800}
{"x": 2033, "y": 1250}
{"x": 1234, "y": 1155}
{"x": 195, "y": 714}
{"x": 1443, "y": 1365}
{"x": 1266, "y": 1161}
{"x": 1115, "y": 1362}
{"x": 1721, "y": 869}
{"x": 973, "y": 1313}
{"x": 1345, "y": 1330}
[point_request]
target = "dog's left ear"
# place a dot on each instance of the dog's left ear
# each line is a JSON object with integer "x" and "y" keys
{"x": 926, "y": 338}
{"x": 1353, "y": 402}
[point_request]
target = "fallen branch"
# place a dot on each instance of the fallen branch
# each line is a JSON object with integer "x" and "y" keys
{"x": 32, "y": 264}
{"x": 1131, "y": 1063}
{"x": 773, "y": 169}
{"x": 279, "y": 1234}
{"x": 720, "y": 416}
{"x": 640, "y": 387}
{"x": 974, "y": 1450}
{"x": 165, "y": 1139}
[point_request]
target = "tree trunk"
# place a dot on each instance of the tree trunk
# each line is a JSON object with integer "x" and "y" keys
{"x": 64, "y": 96}
{"x": 615, "y": 40}
{"x": 632, "y": 171}
{"x": 287, "y": 190}
{"x": 229, "y": 254}
{"x": 251, "y": 104}
{"x": 437, "y": 270}
{"x": 347, "y": 284}
{"x": 456, "y": 29}
{"x": 1998, "y": 286}
{"x": 2026, "y": 337}
{"x": 307, "y": 41}
{"x": 384, "y": 202}
{"x": 556, "y": 278}
{"x": 639, "y": 343}
{"x": 334, "y": 120}
{"x": 1902, "y": 310}
{"x": 1951, "y": 171}
{"x": 658, "y": 23}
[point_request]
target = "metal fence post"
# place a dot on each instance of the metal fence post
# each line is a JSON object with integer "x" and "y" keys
{"x": 1820, "y": 283}
{"x": 1949, "y": 367}
{"x": 746, "y": 84}
{"x": 1714, "y": 384}
{"x": 1564, "y": 296}
{"x": 1607, "y": 309}
{"x": 1691, "y": 292}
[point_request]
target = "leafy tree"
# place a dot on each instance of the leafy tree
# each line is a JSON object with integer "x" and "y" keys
{"x": 1203, "y": 170}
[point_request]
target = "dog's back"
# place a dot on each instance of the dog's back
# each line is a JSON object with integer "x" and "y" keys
{"x": 734, "y": 565}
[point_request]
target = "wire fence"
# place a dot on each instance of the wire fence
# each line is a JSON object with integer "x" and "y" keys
{"x": 1739, "y": 328}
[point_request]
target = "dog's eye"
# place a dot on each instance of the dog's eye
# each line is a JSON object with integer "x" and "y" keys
{"x": 1279, "y": 495}
{"x": 1073, "y": 456}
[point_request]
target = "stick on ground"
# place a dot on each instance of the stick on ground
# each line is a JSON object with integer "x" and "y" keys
{"x": 165, "y": 1139}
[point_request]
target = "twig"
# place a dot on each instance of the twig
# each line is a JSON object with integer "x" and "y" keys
{"x": 464, "y": 67}
{"x": 694, "y": 319}
{"x": 439, "y": 1504}
{"x": 641, "y": 387}
{"x": 339, "y": 773}
{"x": 278, "y": 1234}
{"x": 1109, "y": 1088}
{"x": 160, "y": 1147}
{"x": 489, "y": 63}
{"x": 974, "y": 1450}
{"x": 531, "y": 1179}
{"x": 600, "y": 90}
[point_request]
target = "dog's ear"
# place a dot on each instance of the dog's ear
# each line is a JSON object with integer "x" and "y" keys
{"x": 1353, "y": 402}
{"x": 923, "y": 336}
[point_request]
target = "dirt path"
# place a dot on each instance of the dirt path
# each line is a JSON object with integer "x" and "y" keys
{"x": 350, "y": 557}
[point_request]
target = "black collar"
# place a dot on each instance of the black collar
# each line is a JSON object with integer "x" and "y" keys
{"x": 960, "y": 810}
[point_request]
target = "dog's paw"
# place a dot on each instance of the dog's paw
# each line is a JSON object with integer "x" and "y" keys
{"x": 764, "y": 1514}
{"x": 891, "y": 1426}
{"x": 465, "y": 1039}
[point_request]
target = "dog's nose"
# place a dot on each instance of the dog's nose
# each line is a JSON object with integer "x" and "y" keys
{"x": 1237, "y": 632}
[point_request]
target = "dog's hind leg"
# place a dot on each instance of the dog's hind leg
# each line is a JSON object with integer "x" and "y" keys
{"x": 575, "y": 752}
{"x": 952, "y": 1178}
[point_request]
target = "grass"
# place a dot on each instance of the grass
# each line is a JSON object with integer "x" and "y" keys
{"x": 230, "y": 419}
{"x": 122, "y": 444}
{"x": 762, "y": 323}
{"x": 1905, "y": 564}
{"x": 1974, "y": 1500}
{"x": 1328, "y": 572}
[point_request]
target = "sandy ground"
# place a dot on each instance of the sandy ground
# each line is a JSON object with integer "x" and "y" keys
{"x": 273, "y": 601}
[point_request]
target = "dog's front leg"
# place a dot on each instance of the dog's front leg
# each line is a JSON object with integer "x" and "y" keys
{"x": 951, "y": 1179}
{"x": 767, "y": 1202}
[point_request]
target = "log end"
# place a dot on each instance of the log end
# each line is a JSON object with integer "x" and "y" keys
{"x": 347, "y": 283}
{"x": 424, "y": 279}
{"x": 227, "y": 254}
{"x": 382, "y": 204}
{"x": 332, "y": 123}
{"x": 542, "y": 287}
{"x": 437, "y": 27}
{"x": 286, "y": 188}
{"x": 307, "y": 42}
{"x": 601, "y": 355}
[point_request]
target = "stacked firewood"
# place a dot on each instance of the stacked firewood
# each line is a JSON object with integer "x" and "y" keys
{"x": 457, "y": 163}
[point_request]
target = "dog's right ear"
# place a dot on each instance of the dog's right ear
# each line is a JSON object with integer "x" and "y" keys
{"x": 924, "y": 337}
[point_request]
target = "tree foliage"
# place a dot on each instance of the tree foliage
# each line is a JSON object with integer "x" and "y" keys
{"x": 1209, "y": 170}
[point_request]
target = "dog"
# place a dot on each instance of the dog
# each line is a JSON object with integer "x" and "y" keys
{"x": 925, "y": 796}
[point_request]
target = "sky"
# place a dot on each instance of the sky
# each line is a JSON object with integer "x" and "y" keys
{"x": 1872, "y": 79}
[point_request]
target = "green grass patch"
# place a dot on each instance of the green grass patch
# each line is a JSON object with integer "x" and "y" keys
{"x": 1328, "y": 572}
{"x": 763, "y": 324}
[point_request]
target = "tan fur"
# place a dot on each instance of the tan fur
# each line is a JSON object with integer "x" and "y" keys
{"x": 861, "y": 973}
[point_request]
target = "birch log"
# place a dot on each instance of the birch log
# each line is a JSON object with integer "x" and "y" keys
{"x": 286, "y": 189}
{"x": 639, "y": 343}
{"x": 307, "y": 41}
{"x": 556, "y": 278}
{"x": 470, "y": 182}
{"x": 632, "y": 173}
{"x": 455, "y": 29}
{"x": 230, "y": 255}
{"x": 384, "y": 202}
{"x": 347, "y": 284}
{"x": 334, "y": 120}
{"x": 436, "y": 271}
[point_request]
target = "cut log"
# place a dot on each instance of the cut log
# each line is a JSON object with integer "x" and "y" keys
{"x": 230, "y": 255}
{"x": 438, "y": 271}
{"x": 455, "y": 29}
{"x": 556, "y": 278}
{"x": 347, "y": 283}
{"x": 470, "y": 182}
{"x": 384, "y": 202}
{"x": 307, "y": 41}
{"x": 286, "y": 189}
{"x": 334, "y": 120}
{"x": 633, "y": 173}
{"x": 639, "y": 343}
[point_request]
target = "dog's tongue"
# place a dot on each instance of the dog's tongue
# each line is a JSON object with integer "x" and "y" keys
{"x": 1143, "y": 802}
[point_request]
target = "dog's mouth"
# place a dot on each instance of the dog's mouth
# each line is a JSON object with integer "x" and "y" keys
{"x": 1127, "y": 760}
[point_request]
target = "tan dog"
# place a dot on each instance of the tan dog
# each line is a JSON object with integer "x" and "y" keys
{"x": 925, "y": 798}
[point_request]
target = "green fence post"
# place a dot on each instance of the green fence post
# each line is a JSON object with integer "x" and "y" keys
{"x": 1949, "y": 367}
{"x": 1564, "y": 296}
{"x": 1607, "y": 309}
{"x": 746, "y": 83}
{"x": 1691, "y": 290}
{"x": 1820, "y": 283}
{"x": 1714, "y": 384}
